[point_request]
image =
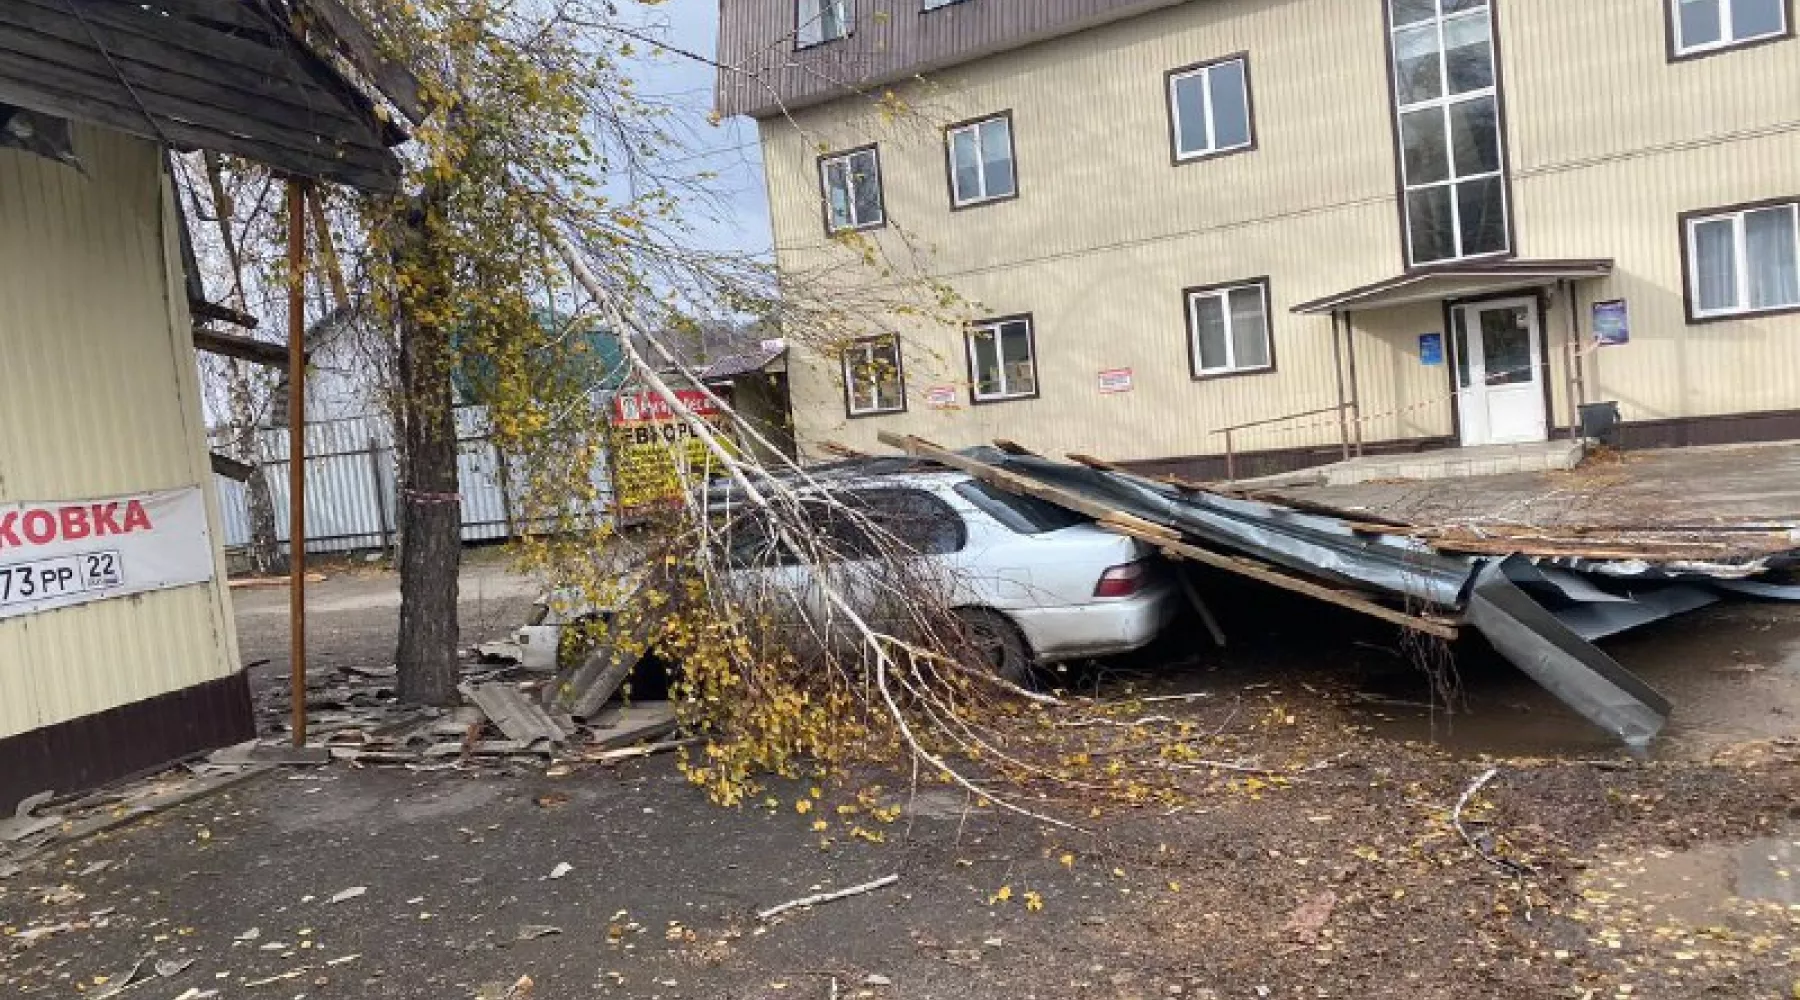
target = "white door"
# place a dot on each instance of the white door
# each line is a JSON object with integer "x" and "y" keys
{"x": 1499, "y": 372}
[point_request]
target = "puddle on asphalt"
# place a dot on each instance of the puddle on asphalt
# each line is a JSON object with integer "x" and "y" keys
{"x": 1705, "y": 885}
{"x": 1731, "y": 670}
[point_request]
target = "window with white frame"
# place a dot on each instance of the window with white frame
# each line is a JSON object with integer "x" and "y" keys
{"x": 1700, "y": 26}
{"x": 1744, "y": 261}
{"x": 852, "y": 183}
{"x": 1451, "y": 155}
{"x": 1209, "y": 109}
{"x": 873, "y": 379}
{"x": 821, "y": 21}
{"x": 1002, "y": 359}
{"x": 981, "y": 161}
{"x": 935, "y": 4}
{"x": 1228, "y": 329}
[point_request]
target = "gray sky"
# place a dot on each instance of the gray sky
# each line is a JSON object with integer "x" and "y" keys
{"x": 740, "y": 220}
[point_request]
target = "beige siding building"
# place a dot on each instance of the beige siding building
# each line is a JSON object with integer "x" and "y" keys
{"x": 1404, "y": 223}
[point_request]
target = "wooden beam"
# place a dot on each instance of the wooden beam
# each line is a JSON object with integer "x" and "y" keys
{"x": 1168, "y": 541}
{"x": 201, "y": 309}
{"x": 243, "y": 348}
{"x": 396, "y": 82}
{"x": 231, "y": 468}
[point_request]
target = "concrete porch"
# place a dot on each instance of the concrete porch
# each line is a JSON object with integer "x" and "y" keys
{"x": 1449, "y": 463}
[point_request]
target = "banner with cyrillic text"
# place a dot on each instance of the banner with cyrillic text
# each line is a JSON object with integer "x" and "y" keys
{"x": 60, "y": 554}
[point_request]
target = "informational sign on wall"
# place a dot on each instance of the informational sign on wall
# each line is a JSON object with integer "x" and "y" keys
{"x": 61, "y": 554}
{"x": 1115, "y": 380}
{"x": 1612, "y": 323}
{"x": 655, "y": 452}
{"x": 1431, "y": 348}
{"x": 941, "y": 397}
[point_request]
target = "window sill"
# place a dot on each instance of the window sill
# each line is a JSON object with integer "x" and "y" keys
{"x": 847, "y": 230}
{"x": 865, "y": 414}
{"x": 1690, "y": 55}
{"x": 975, "y": 400}
{"x": 962, "y": 206}
{"x": 1230, "y": 373}
{"x": 1182, "y": 160}
{"x": 1741, "y": 314}
{"x": 809, "y": 46}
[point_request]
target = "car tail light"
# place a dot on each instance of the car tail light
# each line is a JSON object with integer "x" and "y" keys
{"x": 1121, "y": 581}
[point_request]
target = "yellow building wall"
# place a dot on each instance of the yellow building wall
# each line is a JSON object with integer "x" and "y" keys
{"x": 1608, "y": 143}
{"x": 99, "y": 396}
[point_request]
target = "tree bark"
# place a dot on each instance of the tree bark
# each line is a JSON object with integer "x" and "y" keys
{"x": 430, "y": 519}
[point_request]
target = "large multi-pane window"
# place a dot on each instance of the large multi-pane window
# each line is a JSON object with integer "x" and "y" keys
{"x": 1700, "y": 26}
{"x": 873, "y": 379}
{"x": 852, "y": 185}
{"x": 981, "y": 161}
{"x": 1452, "y": 158}
{"x": 1209, "y": 109}
{"x": 1744, "y": 261}
{"x": 820, "y": 21}
{"x": 1002, "y": 359}
{"x": 1228, "y": 329}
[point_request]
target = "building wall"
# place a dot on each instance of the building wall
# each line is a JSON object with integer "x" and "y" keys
{"x": 1607, "y": 140}
{"x": 99, "y": 396}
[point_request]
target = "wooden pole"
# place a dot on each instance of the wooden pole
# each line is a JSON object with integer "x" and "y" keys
{"x": 296, "y": 411}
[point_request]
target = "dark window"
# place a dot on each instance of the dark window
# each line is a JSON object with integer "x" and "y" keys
{"x": 1020, "y": 514}
{"x": 1209, "y": 109}
{"x": 852, "y": 184}
{"x": 923, "y": 523}
{"x": 1701, "y": 26}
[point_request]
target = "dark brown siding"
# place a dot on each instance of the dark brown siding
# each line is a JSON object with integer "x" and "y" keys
{"x": 762, "y": 73}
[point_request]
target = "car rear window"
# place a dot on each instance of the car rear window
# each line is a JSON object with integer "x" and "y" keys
{"x": 1025, "y": 515}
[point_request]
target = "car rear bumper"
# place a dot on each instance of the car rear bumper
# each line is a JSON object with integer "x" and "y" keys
{"x": 1100, "y": 628}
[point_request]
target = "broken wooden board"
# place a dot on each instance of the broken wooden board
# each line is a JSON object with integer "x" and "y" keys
{"x": 632, "y": 724}
{"x": 519, "y": 717}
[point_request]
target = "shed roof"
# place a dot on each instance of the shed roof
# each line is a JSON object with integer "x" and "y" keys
{"x": 224, "y": 75}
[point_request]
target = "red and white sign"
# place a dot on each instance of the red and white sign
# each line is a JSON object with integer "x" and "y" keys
{"x": 1115, "y": 380}
{"x": 57, "y": 555}
{"x": 651, "y": 407}
{"x": 941, "y": 397}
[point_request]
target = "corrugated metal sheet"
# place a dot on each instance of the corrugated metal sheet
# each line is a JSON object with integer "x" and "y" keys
{"x": 350, "y": 476}
{"x": 1106, "y": 232}
{"x": 892, "y": 40}
{"x": 99, "y": 396}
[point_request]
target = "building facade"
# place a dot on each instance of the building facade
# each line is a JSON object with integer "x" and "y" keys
{"x": 1315, "y": 223}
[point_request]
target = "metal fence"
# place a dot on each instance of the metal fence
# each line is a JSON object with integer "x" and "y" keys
{"x": 350, "y": 485}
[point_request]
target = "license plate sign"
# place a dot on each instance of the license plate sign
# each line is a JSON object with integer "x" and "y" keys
{"x": 48, "y": 579}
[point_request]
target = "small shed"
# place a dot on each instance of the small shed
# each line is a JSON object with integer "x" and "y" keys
{"x": 117, "y": 647}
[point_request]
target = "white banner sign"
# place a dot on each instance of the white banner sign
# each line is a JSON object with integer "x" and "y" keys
{"x": 55, "y": 555}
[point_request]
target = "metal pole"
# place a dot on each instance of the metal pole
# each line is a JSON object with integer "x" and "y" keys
{"x": 1230, "y": 458}
{"x": 381, "y": 514}
{"x": 296, "y": 306}
{"x": 1577, "y": 378}
{"x": 1337, "y": 366}
{"x": 1355, "y": 390}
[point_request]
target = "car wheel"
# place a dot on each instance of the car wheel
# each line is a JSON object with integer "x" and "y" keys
{"x": 996, "y": 643}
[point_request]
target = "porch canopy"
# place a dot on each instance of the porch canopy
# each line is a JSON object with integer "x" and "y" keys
{"x": 1444, "y": 283}
{"x": 1456, "y": 281}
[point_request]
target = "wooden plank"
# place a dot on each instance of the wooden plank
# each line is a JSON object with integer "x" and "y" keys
{"x": 35, "y": 97}
{"x": 147, "y": 63}
{"x": 395, "y": 81}
{"x": 1013, "y": 448}
{"x": 173, "y": 96}
{"x": 1162, "y": 538}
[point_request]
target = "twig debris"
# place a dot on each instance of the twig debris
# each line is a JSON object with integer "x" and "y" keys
{"x": 827, "y": 897}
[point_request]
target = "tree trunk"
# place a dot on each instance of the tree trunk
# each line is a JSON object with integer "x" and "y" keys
{"x": 430, "y": 511}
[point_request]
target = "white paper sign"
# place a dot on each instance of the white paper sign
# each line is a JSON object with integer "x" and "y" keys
{"x": 57, "y": 555}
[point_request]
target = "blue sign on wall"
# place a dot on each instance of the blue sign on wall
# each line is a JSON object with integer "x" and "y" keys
{"x": 1431, "y": 348}
{"x": 1612, "y": 322}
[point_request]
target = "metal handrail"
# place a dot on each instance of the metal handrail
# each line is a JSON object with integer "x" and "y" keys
{"x": 1231, "y": 450}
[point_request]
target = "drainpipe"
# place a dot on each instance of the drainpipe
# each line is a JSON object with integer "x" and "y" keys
{"x": 1337, "y": 367}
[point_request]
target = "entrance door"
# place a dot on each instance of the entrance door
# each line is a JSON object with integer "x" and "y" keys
{"x": 1499, "y": 372}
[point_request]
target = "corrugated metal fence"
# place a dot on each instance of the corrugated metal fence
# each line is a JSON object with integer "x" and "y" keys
{"x": 350, "y": 493}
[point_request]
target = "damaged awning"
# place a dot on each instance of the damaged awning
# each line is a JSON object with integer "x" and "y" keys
{"x": 1541, "y": 612}
{"x": 1456, "y": 281}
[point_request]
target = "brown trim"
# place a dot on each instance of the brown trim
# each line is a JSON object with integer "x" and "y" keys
{"x": 1761, "y": 426}
{"x": 1500, "y": 112}
{"x": 131, "y": 739}
{"x": 1175, "y": 157}
{"x": 825, "y": 192}
{"x": 1450, "y": 354}
{"x": 1675, "y": 55}
{"x": 1685, "y": 219}
{"x": 1251, "y": 464}
{"x": 899, "y": 371}
{"x": 1037, "y": 379}
{"x": 1193, "y": 352}
{"x": 1012, "y": 143}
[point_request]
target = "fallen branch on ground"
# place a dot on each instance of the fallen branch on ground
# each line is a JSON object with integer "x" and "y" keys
{"x": 827, "y": 897}
{"x": 1148, "y": 720}
{"x": 1469, "y": 793}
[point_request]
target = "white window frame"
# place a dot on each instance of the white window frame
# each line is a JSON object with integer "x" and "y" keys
{"x": 847, "y": 158}
{"x": 1204, "y": 73}
{"x": 993, "y": 326}
{"x": 863, "y": 353}
{"x": 809, "y": 21}
{"x": 1222, "y": 294}
{"x": 1740, "y": 248}
{"x": 975, "y": 128}
{"x": 1442, "y": 105}
{"x": 1727, "y": 28}
{"x": 935, "y": 4}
